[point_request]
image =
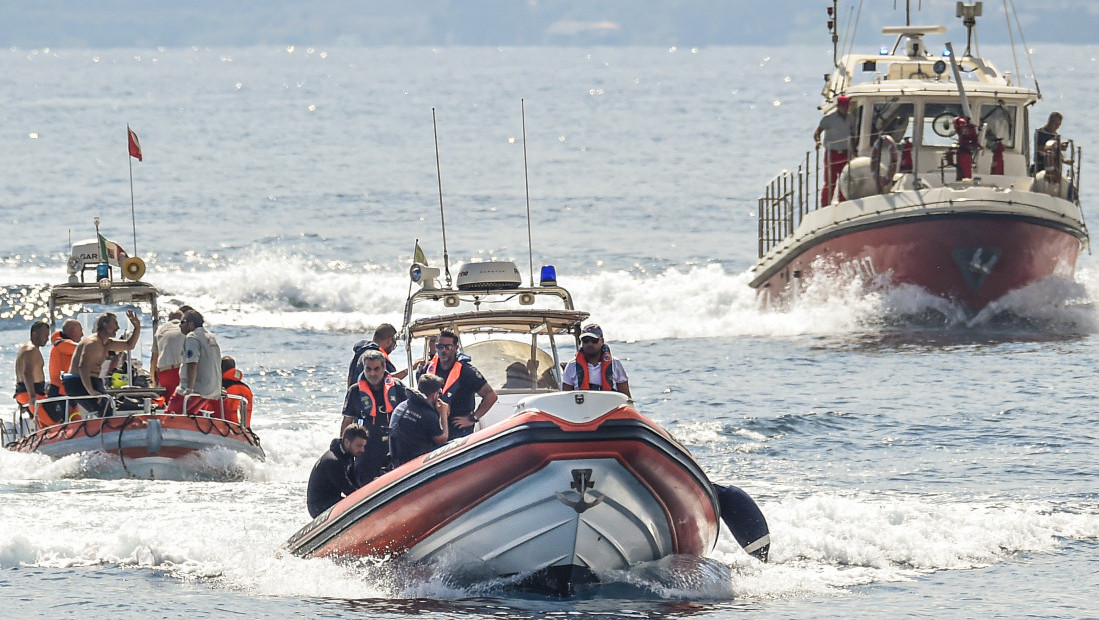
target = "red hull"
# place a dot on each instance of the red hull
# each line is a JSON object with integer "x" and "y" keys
{"x": 176, "y": 437}
{"x": 940, "y": 255}
{"x": 369, "y": 523}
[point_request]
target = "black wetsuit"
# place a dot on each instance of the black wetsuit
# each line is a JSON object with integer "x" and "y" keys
{"x": 332, "y": 479}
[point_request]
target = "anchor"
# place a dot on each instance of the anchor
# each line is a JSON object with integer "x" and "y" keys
{"x": 975, "y": 263}
{"x": 582, "y": 486}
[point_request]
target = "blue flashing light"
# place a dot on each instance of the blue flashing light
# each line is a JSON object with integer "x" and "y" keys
{"x": 102, "y": 271}
{"x": 946, "y": 53}
{"x": 883, "y": 50}
{"x": 548, "y": 277}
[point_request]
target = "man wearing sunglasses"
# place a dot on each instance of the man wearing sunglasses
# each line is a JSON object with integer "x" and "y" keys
{"x": 594, "y": 368}
{"x": 462, "y": 383}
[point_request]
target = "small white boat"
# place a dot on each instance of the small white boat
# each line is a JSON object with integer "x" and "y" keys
{"x": 148, "y": 442}
{"x": 555, "y": 488}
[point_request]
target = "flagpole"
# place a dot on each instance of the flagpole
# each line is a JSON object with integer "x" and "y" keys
{"x": 130, "y": 161}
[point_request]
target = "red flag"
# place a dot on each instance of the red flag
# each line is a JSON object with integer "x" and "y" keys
{"x": 135, "y": 146}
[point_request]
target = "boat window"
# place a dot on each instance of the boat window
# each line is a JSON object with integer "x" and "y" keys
{"x": 1000, "y": 120}
{"x": 938, "y": 123}
{"x": 892, "y": 118}
{"x": 507, "y": 365}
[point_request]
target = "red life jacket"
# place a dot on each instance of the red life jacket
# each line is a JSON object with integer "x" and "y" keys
{"x": 451, "y": 378}
{"x": 583, "y": 382}
{"x": 368, "y": 396}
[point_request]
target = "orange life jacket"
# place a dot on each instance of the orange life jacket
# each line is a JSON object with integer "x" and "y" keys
{"x": 368, "y": 396}
{"x": 583, "y": 382}
{"x": 61, "y": 357}
{"x": 451, "y": 378}
{"x": 231, "y": 381}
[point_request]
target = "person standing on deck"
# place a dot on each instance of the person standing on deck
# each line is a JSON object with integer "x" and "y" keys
{"x": 838, "y": 131}
{"x": 594, "y": 368}
{"x": 369, "y": 403}
{"x": 462, "y": 383}
{"x": 30, "y": 379}
{"x": 200, "y": 374}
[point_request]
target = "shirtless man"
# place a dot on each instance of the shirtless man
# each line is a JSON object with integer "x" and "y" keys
{"x": 30, "y": 380}
{"x": 83, "y": 378}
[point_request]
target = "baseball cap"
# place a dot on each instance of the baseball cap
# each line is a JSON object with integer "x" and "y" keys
{"x": 592, "y": 331}
{"x": 843, "y": 100}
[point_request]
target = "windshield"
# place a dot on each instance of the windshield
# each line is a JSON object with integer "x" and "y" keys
{"x": 508, "y": 365}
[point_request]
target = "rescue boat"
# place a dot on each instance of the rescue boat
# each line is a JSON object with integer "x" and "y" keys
{"x": 555, "y": 488}
{"x": 573, "y": 486}
{"x": 147, "y": 442}
{"x": 940, "y": 191}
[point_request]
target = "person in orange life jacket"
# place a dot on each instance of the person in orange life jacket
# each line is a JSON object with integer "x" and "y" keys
{"x": 369, "y": 403}
{"x": 385, "y": 340}
{"x": 418, "y": 425}
{"x": 30, "y": 380}
{"x": 64, "y": 343}
{"x": 594, "y": 368}
{"x": 333, "y": 475}
{"x": 462, "y": 383}
{"x": 838, "y": 129}
{"x": 232, "y": 382}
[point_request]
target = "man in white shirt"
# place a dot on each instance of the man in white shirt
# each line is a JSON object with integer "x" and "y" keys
{"x": 594, "y": 368}
{"x": 200, "y": 374}
{"x": 167, "y": 353}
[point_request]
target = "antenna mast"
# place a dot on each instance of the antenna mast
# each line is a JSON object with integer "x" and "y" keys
{"x": 442, "y": 216}
{"x": 526, "y": 186}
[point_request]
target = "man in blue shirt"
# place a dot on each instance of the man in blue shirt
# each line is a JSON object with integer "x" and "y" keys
{"x": 418, "y": 425}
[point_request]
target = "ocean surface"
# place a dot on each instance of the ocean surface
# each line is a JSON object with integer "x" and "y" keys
{"x": 910, "y": 460}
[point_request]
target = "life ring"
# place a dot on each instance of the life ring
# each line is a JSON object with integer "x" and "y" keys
{"x": 133, "y": 268}
{"x": 885, "y": 142}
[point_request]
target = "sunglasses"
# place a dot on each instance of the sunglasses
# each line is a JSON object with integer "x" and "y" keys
{"x": 444, "y": 346}
{"x": 589, "y": 340}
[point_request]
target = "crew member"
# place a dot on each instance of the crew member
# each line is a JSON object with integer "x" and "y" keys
{"x": 232, "y": 381}
{"x": 418, "y": 424}
{"x": 838, "y": 130}
{"x": 85, "y": 374}
{"x": 369, "y": 403}
{"x": 594, "y": 367}
{"x": 385, "y": 340}
{"x": 1042, "y": 136}
{"x": 30, "y": 380}
{"x": 167, "y": 353}
{"x": 200, "y": 374}
{"x": 462, "y": 383}
{"x": 63, "y": 343}
{"x": 333, "y": 475}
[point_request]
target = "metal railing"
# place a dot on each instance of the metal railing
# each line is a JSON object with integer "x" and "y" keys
{"x": 786, "y": 199}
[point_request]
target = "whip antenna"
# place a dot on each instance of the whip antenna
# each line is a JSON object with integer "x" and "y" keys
{"x": 526, "y": 185}
{"x": 442, "y": 216}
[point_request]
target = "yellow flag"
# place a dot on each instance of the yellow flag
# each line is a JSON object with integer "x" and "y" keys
{"x": 418, "y": 254}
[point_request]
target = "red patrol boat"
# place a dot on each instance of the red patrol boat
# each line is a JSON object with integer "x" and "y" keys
{"x": 940, "y": 190}
{"x": 572, "y": 486}
{"x": 148, "y": 442}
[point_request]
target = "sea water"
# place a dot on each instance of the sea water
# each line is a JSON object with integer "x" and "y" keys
{"x": 910, "y": 459}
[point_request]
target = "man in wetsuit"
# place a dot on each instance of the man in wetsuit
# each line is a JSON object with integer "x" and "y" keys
{"x": 333, "y": 475}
